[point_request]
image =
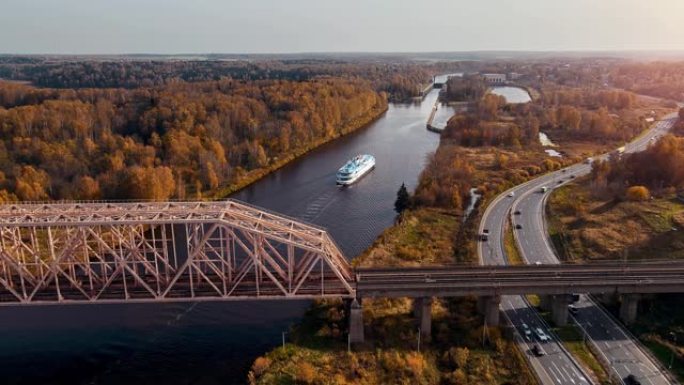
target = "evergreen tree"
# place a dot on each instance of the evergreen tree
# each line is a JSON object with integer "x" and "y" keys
{"x": 403, "y": 199}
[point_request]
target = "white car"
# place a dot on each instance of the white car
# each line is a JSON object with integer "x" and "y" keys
{"x": 527, "y": 332}
{"x": 541, "y": 335}
{"x": 511, "y": 194}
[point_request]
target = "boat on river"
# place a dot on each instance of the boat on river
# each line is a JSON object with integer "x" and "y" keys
{"x": 355, "y": 168}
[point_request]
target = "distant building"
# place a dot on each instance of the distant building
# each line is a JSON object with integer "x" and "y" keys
{"x": 495, "y": 78}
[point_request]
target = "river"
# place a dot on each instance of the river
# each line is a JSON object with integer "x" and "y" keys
{"x": 214, "y": 343}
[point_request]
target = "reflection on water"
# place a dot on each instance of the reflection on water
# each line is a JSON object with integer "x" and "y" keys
{"x": 214, "y": 343}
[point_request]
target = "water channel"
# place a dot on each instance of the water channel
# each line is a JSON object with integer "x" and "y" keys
{"x": 215, "y": 343}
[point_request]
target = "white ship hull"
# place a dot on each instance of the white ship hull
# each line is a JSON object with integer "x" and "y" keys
{"x": 346, "y": 177}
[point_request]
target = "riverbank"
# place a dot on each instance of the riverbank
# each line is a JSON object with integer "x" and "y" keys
{"x": 247, "y": 178}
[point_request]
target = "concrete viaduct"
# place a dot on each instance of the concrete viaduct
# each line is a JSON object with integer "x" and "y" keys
{"x": 554, "y": 284}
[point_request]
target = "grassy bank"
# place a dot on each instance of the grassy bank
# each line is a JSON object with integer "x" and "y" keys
{"x": 244, "y": 179}
{"x": 584, "y": 226}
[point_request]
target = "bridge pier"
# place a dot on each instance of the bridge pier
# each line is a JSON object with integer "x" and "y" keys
{"x": 628, "y": 308}
{"x": 356, "y": 322}
{"x": 488, "y": 306}
{"x": 422, "y": 310}
{"x": 559, "y": 309}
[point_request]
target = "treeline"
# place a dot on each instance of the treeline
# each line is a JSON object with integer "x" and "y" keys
{"x": 169, "y": 141}
{"x": 661, "y": 79}
{"x": 401, "y": 80}
{"x": 658, "y": 167}
{"x": 566, "y": 113}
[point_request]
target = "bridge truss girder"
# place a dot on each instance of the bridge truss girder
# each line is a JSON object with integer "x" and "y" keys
{"x": 155, "y": 251}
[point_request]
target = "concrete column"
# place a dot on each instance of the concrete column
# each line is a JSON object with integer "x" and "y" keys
{"x": 545, "y": 302}
{"x": 356, "y": 322}
{"x": 628, "y": 308}
{"x": 422, "y": 310}
{"x": 559, "y": 309}
{"x": 489, "y": 308}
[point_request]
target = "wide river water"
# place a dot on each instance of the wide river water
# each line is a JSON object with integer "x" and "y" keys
{"x": 215, "y": 343}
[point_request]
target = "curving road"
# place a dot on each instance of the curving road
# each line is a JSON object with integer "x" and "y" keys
{"x": 618, "y": 349}
{"x": 557, "y": 366}
{"x": 614, "y": 344}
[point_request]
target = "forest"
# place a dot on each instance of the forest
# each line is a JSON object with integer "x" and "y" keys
{"x": 661, "y": 79}
{"x": 176, "y": 140}
{"x": 564, "y": 112}
{"x": 400, "y": 80}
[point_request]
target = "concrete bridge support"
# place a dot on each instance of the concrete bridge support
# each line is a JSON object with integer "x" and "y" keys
{"x": 356, "y": 322}
{"x": 422, "y": 310}
{"x": 559, "y": 309}
{"x": 628, "y": 308}
{"x": 488, "y": 306}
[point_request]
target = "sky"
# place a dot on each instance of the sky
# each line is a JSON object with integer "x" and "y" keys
{"x": 293, "y": 26}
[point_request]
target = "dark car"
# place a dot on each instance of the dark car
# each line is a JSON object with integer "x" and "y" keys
{"x": 484, "y": 237}
{"x": 538, "y": 351}
{"x": 518, "y": 226}
{"x": 632, "y": 380}
{"x": 517, "y": 212}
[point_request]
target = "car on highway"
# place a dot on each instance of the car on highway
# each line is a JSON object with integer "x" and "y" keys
{"x": 511, "y": 194}
{"x": 538, "y": 351}
{"x": 518, "y": 226}
{"x": 543, "y": 337}
{"x": 543, "y": 189}
{"x": 517, "y": 212}
{"x": 632, "y": 380}
{"x": 527, "y": 332}
{"x": 573, "y": 309}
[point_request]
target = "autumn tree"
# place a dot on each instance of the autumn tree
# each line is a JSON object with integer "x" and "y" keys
{"x": 638, "y": 193}
{"x": 31, "y": 184}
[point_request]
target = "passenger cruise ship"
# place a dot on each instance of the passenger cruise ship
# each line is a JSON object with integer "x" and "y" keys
{"x": 355, "y": 168}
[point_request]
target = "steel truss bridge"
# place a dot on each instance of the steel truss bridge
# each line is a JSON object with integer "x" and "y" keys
{"x": 163, "y": 251}
{"x": 106, "y": 252}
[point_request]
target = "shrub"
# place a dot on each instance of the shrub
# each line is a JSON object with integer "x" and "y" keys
{"x": 305, "y": 373}
{"x": 260, "y": 365}
{"x": 638, "y": 193}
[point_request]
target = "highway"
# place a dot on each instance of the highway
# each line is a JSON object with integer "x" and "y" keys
{"x": 532, "y": 239}
{"x": 614, "y": 343}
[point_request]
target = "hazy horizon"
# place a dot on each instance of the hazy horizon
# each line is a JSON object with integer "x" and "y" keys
{"x": 78, "y": 27}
